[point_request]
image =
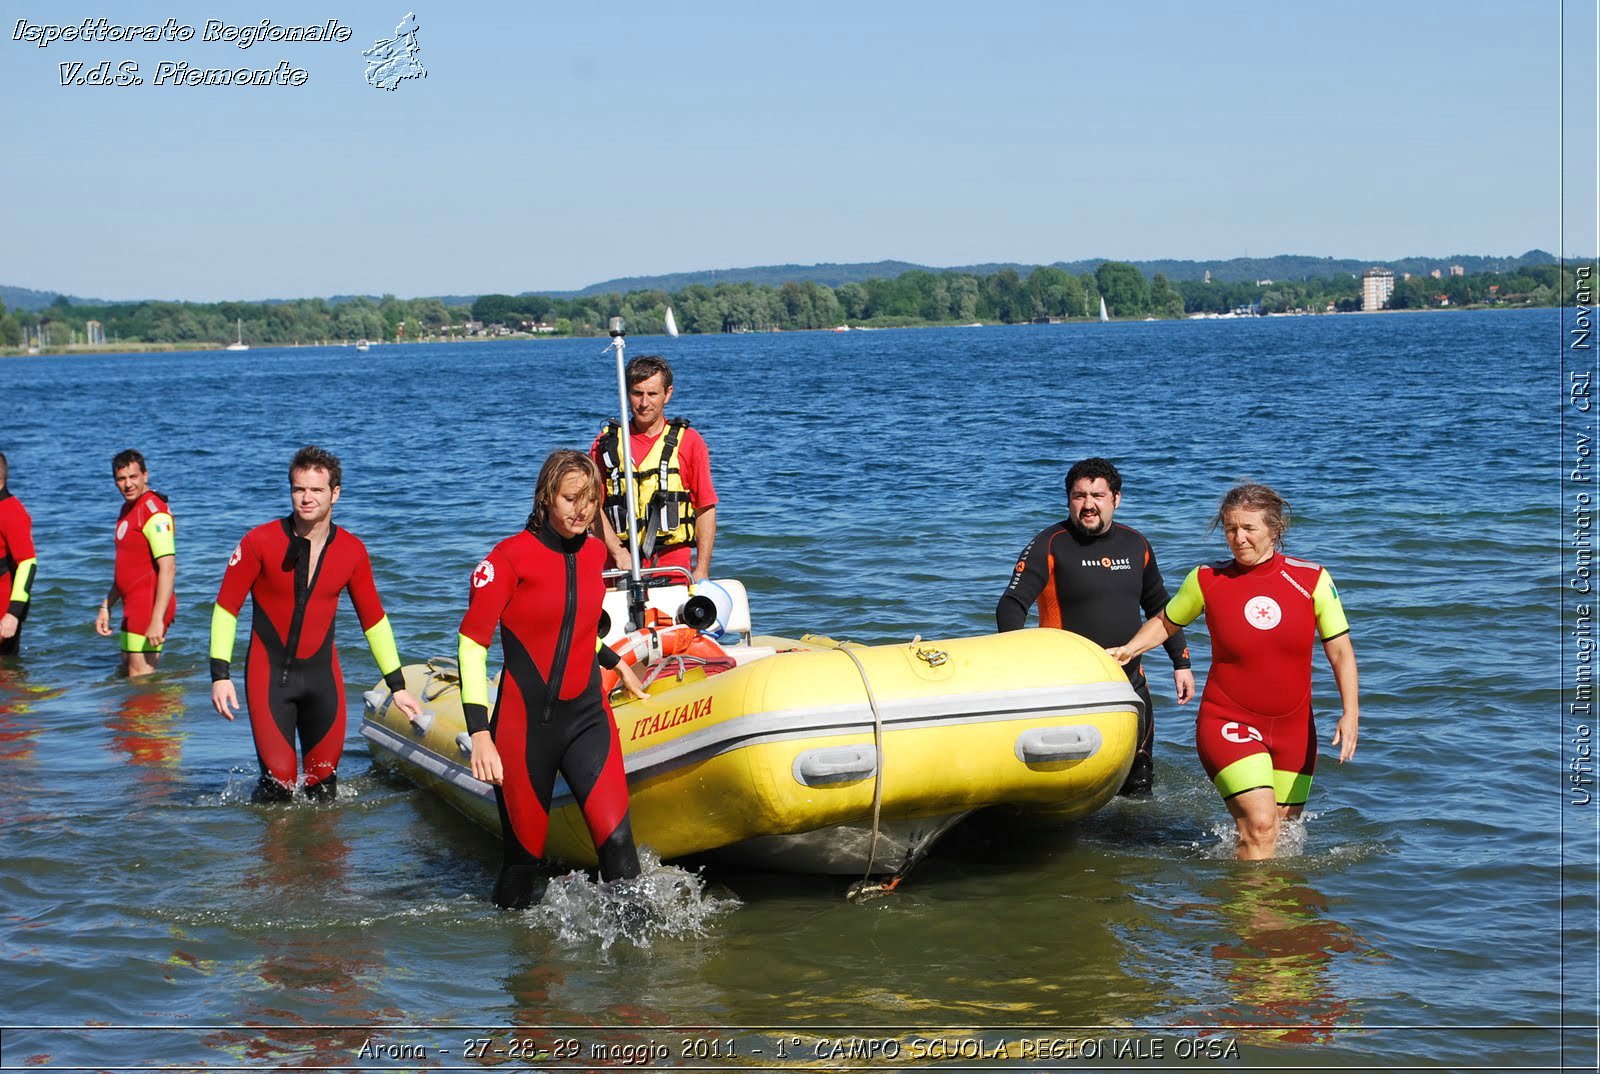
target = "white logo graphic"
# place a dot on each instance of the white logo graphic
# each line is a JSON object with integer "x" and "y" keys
{"x": 482, "y": 574}
{"x": 1238, "y": 732}
{"x": 391, "y": 61}
{"x": 122, "y": 529}
{"x": 155, "y": 508}
{"x": 1263, "y": 613}
{"x": 238, "y": 554}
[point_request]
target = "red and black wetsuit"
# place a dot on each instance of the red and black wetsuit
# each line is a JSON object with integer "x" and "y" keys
{"x": 293, "y": 684}
{"x": 1095, "y": 586}
{"x": 544, "y": 592}
{"x": 17, "y": 563}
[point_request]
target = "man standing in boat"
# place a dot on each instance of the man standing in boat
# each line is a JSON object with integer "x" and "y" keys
{"x": 17, "y": 563}
{"x": 145, "y": 569}
{"x": 294, "y": 569}
{"x": 1093, "y": 576}
{"x": 676, "y": 502}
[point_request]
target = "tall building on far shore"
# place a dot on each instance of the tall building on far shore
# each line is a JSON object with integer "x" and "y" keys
{"x": 1457, "y": 270}
{"x": 1377, "y": 284}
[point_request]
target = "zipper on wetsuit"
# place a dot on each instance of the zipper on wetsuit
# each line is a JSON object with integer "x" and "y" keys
{"x": 558, "y": 662}
{"x": 302, "y": 596}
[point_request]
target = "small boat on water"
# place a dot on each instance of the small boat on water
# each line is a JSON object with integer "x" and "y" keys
{"x": 805, "y": 754}
{"x": 239, "y": 344}
{"x": 1103, "y": 315}
{"x": 671, "y": 324}
{"x": 808, "y": 754}
{"x": 362, "y": 345}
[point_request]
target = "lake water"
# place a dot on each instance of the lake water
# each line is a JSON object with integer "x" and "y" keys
{"x": 875, "y": 485}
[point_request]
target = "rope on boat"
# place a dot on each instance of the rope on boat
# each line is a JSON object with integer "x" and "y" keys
{"x": 680, "y": 664}
{"x": 443, "y": 675}
{"x": 877, "y": 747}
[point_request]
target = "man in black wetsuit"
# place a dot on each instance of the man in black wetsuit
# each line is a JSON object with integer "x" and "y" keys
{"x": 1093, "y": 576}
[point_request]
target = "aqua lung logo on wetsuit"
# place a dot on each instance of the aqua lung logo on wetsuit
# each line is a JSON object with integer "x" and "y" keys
{"x": 671, "y": 718}
{"x": 482, "y": 574}
{"x": 1263, "y": 613}
{"x": 1118, "y": 563}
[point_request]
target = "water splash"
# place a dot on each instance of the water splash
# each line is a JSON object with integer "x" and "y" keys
{"x": 240, "y": 789}
{"x": 663, "y": 901}
{"x": 1294, "y": 841}
{"x": 1292, "y": 837}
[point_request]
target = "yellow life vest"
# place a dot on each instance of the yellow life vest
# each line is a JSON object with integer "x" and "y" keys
{"x": 664, "y": 513}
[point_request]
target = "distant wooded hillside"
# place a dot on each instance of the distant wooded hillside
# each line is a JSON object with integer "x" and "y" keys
{"x": 1237, "y": 270}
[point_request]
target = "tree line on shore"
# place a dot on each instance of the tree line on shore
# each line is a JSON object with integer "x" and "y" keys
{"x": 912, "y": 298}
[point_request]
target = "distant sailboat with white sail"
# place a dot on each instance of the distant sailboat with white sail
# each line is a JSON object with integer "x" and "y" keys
{"x": 1103, "y": 315}
{"x": 240, "y": 345}
{"x": 672, "y": 324}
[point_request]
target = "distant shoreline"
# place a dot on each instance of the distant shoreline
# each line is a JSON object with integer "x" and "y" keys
{"x": 85, "y": 349}
{"x": 82, "y": 349}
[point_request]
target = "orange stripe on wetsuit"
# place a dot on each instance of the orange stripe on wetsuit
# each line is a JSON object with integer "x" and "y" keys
{"x": 1096, "y": 586}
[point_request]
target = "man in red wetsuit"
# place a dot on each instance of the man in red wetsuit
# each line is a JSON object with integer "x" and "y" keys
{"x": 294, "y": 569}
{"x": 146, "y": 568}
{"x": 17, "y": 563}
{"x": 1093, "y": 576}
{"x": 674, "y": 499}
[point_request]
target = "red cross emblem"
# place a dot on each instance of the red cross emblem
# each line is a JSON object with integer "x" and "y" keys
{"x": 1240, "y": 733}
{"x": 482, "y": 574}
{"x": 1263, "y": 613}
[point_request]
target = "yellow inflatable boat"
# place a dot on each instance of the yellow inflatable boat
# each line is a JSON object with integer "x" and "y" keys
{"x": 811, "y": 755}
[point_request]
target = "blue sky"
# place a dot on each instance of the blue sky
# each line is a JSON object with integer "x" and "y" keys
{"x": 553, "y": 146}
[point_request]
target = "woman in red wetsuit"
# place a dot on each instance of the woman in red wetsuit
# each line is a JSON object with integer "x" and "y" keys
{"x": 1255, "y": 731}
{"x": 543, "y": 589}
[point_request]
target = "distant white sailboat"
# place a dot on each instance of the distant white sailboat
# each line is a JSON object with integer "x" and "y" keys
{"x": 672, "y": 324}
{"x": 241, "y": 345}
{"x": 1103, "y": 314}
